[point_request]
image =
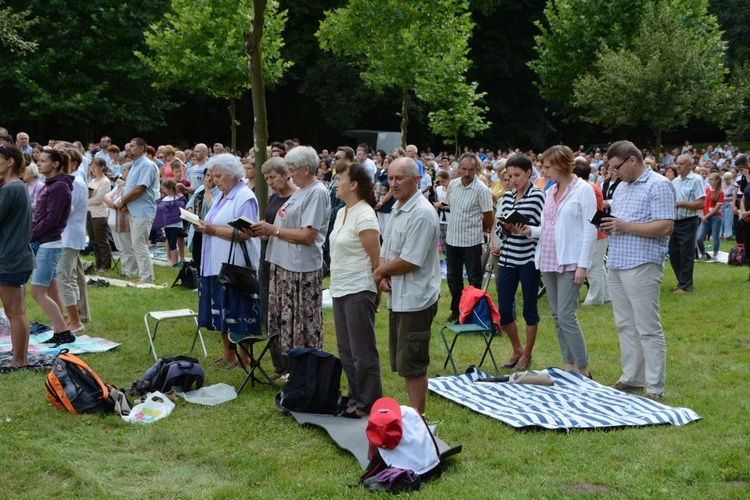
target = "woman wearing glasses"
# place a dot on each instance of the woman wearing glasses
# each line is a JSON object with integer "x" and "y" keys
{"x": 295, "y": 251}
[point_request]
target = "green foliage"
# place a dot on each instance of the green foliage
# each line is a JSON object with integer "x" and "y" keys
{"x": 199, "y": 46}
{"x": 671, "y": 71}
{"x": 459, "y": 112}
{"x": 83, "y": 71}
{"x": 13, "y": 30}
{"x": 570, "y": 37}
{"x": 418, "y": 46}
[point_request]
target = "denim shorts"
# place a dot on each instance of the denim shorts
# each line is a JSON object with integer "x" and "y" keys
{"x": 15, "y": 280}
{"x": 46, "y": 266}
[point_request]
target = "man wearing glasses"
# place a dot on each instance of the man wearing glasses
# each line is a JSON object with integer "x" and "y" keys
{"x": 643, "y": 209}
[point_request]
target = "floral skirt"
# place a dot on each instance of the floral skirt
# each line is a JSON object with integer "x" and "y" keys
{"x": 295, "y": 308}
{"x": 226, "y": 310}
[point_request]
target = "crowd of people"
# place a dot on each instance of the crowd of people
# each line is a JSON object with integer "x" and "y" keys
{"x": 376, "y": 222}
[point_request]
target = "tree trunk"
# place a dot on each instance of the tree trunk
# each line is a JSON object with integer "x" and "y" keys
{"x": 258, "y": 90}
{"x": 404, "y": 117}
{"x": 233, "y": 126}
{"x": 455, "y": 141}
{"x": 657, "y": 144}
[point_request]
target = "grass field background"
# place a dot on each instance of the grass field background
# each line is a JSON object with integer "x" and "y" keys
{"x": 246, "y": 449}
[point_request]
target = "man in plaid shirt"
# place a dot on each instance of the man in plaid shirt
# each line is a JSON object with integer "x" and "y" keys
{"x": 643, "y": 212}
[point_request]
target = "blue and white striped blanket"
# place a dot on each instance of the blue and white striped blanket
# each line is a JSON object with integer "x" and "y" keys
{"x": 574, "y": 402}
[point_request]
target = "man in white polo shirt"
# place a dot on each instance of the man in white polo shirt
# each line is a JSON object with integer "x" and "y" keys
{"x": 410, "y": 270}
{"x": 469, "y": 201}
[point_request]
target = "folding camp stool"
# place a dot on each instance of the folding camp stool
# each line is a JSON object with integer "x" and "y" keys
{"x": 468, "y": 329}
{"x": 247, "y": 344}
{"x": 160, "y": 316}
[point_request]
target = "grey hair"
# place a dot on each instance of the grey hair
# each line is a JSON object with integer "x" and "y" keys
{"x": 126, "y": 166}
{"x": 32, "y": 169}
{"x": 410, "y": 166}
{"x": 500, "y": 164}
{"x": 687, "y": 157}
{"x": 303, "y": 156}
{"x": 228, "y": 164}
{"x": 276, "y": 164}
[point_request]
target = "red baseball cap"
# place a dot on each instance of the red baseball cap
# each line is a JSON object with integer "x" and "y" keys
{"x": 384, "y": 429}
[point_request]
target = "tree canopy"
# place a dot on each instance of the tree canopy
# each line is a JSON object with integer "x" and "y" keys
{"x": 14, "y": 27}
{"x": 424, "y": 50}
{"x": 571, "y": 34}
{"x": 83, "y": 73}
{"x": 200, "y": 46}
{"x": 671, "y": 70}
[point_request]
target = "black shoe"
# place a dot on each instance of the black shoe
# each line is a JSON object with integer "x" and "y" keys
{"x": 453, "y": 318}
{"x": 61, "y": 338}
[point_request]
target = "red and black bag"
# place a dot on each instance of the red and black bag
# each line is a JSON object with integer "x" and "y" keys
{"x": 737, "y": 256}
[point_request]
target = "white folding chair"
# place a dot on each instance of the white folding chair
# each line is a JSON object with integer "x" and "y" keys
{"x": 160, "y": 316}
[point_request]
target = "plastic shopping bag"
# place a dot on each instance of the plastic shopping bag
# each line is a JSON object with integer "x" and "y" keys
{"x": 155, "y": 407}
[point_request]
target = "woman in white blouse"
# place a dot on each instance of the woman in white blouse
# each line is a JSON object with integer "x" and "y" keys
{"x": 355, "y": 251}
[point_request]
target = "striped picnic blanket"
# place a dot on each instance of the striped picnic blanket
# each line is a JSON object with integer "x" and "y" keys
{"x": 573, "y": 402}
{"x": 83, "y": 344}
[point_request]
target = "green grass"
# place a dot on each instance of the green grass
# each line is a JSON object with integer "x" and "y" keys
{"x": 245, "y": 448}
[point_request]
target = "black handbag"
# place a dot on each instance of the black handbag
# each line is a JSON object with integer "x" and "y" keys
{"x": 241, "y": 278}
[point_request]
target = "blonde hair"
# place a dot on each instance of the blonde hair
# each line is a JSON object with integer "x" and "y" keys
{"x": 559, "y": 158}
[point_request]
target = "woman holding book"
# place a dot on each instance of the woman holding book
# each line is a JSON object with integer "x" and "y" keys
{"x": 563, "y": 254}
{"x": 516, "y": 258}
{"x": 295, "y": 251}
{"x": 220, "y": 308}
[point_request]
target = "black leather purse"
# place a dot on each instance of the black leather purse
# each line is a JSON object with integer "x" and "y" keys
{"x": 241, "y": 278}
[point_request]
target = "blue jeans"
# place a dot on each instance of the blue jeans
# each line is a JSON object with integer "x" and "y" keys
{"x": 714, "y": 225}
{"x": 728, "y": 220}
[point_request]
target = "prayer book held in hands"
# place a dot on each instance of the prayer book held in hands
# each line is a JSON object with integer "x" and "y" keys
{"x": 241, "y": 223}
{"x": 189, "y": 216}
{"x": 514, "y": 217}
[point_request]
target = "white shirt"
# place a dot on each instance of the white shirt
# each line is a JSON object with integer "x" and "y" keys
{"x": 351, "y": 267}
{"x": 412, "y": 233}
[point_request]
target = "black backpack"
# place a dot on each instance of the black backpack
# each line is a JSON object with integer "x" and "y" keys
{"x": 180, "y": 371}
{"x": 188, "y": 276}
{"x": 72, "y": 386}
{"x": 314, "y": 382}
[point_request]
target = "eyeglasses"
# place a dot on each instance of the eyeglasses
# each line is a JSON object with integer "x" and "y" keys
{"x": 292, "y": 170}
{"x": 338, "y": 157}
{"x": 617, "y": 168}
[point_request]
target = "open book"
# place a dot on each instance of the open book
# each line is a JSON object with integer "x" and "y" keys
{"x": 514, "y": 217}
{"x": 189, "y": 216}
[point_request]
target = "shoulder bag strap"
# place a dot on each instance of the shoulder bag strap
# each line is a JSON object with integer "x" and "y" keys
{"x": 230, "y": 260}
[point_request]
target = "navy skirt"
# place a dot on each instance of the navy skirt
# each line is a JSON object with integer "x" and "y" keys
{"x": 226, "y": 310}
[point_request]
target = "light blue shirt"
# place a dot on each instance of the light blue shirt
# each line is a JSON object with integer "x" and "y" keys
{"x": 142, "y": 173}
{"x": 648, "y": 198}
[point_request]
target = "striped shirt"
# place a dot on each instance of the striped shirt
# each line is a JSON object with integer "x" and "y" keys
{"x": 650, "y": 197}
{"x": 467, "y": 204}
{"x": 518, "y": 249}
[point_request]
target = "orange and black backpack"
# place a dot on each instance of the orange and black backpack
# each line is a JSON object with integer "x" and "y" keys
{"x": 73, "y": 386}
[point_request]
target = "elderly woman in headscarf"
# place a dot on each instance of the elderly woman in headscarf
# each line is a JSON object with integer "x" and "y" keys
{"x": 224, "y": 309}
{"x": 295, "y": 251}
